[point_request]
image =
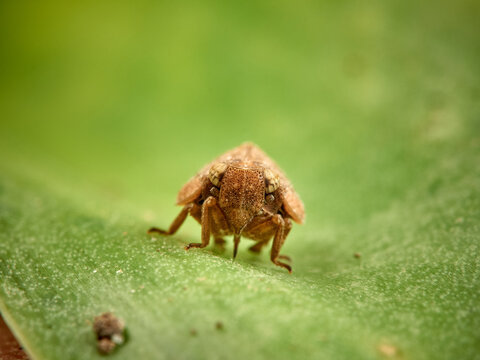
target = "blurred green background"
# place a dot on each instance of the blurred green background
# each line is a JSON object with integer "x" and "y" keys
{"x": 371, "y": 107}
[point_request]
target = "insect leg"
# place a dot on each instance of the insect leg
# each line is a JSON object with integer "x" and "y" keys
{"x": 175, "y": 224}
{"x": 261, "y": 229}
{"x": 207, "y": 207}
{"x": 283, "y": 227}
{"x": 288, "y": 227}
{"x": 220, "y": 241}
{"x": 256, "y": 248}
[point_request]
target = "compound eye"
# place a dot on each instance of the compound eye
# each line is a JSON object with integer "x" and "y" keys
{"x": 269, "y": 199}
{"x": 271, "y": 181}
{"x": 216, "y": 172}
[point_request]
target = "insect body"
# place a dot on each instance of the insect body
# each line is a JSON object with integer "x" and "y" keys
{"x": 242, "y": 193}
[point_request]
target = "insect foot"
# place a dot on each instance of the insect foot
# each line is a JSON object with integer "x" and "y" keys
{"x": 154, "y": 230}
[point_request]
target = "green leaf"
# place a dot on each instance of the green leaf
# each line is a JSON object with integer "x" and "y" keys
{"x": 372, "y": 110}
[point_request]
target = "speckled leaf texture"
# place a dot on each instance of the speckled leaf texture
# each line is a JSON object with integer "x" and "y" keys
{"x": 372, "y": 109}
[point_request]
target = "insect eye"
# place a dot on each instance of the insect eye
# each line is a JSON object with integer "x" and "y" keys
{"x": 216, "y": 172}
{"x": 270, "y": 198}
{"x": 214, "y": 191}
{"x": 271, "y": 181}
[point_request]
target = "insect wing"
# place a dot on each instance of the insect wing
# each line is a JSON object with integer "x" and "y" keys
{"x": 293, "y": 205}
{"x": 190, "y": 191}
{"x": 193, "y": 188}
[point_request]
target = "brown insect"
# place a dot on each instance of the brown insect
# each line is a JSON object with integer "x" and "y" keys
{"x": 241, "y": 193}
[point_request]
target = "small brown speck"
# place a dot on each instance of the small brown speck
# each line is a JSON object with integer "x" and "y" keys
{"x": 193, "y": 332}
{"x": 109, "y": 331}
{"x": 357, "y": 255}
{"x": 219, "y": 325}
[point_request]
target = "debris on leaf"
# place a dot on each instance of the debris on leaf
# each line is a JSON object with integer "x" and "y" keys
{"x": 388, "y": 350}
{"x": 357, "y": 255}
{"x": 219, "y": 325}
{"x": 109, "y": 331}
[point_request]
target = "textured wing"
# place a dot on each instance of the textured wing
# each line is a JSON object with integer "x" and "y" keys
{"x": 193, "y": 188}
{"x": 190, "y": 191}
{"x": 293, "y": 205}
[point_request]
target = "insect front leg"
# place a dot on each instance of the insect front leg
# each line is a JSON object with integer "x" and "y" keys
{"x": 259, "y": 245}
{"x": 206, "y": 223}
{"x": 283, "y": 228}
{"x": 175, "y": 224}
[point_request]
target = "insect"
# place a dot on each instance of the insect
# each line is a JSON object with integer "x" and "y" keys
{"x": 241, "y": 193}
